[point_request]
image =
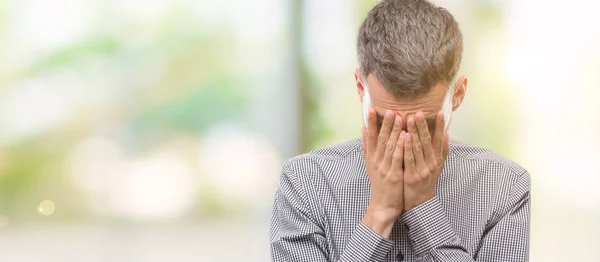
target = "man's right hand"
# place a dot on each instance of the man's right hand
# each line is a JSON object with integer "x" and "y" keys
{"x": 383, "y": 150}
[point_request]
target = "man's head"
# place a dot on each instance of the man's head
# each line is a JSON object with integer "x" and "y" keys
{"x": 409, "y": 54}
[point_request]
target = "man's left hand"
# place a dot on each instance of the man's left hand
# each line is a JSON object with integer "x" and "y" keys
{"x": 424, "y": 158}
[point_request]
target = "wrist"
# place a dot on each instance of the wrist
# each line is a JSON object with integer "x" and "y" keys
{"x": 380, "y": 222}
{"x": 418, "y": 200}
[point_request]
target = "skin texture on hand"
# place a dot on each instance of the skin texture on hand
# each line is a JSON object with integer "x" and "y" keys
{"x": 384, "y": 154}
{"x": 403, "y": 167}
{"x": 424, "y": 157}
{"x": 423, "y": 175}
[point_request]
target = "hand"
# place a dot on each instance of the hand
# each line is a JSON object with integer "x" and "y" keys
{"x": 384, "y": 154}
{"x": 424, "y": 158}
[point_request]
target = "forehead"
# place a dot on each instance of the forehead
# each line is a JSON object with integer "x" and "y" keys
{"x": 429, "y": 103}
{"x": 430, "y": 119}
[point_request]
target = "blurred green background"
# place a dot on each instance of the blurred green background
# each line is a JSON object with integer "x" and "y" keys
{"x": 155, "y": 130}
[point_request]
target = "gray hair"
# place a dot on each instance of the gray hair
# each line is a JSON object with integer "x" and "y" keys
{"x": 409, "y": 46}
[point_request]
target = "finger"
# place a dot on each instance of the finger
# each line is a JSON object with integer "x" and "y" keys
{"x": 438, "y": 135}
{"x": 363, "y": 131}
{"x": 398, "y": 156}
{"x": 446, "y": 150}
{"x": 384, "y": 134}
{"x": 409, "y": 158}
{"x": 424, "y": 137}
{"x": 446, "y": 146}
{"x": 416, "y": 146}
{"x": 390, "y": 146}
{"x": 372, "y": 131}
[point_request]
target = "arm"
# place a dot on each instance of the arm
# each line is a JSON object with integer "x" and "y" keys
{"x": 297, "y": 234}
{"x": 434, "y": 239}
{"x": 509, "y": 238}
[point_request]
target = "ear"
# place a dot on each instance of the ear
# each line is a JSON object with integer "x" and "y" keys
{"x": 359, "y": 86}
{"x": 460, "y": 90}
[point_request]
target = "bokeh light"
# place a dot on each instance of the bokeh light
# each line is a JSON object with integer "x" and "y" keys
{"x": 46, "y": 208}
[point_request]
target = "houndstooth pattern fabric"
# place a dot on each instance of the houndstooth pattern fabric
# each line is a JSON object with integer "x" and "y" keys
{"x": 480, "y": 212}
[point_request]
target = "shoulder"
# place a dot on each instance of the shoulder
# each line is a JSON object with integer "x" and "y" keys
{"x": 486, "y": 163}
{"x": 332, "y": 155}
{"x": 466, "y": 152}
{"x": 328, "y": 168}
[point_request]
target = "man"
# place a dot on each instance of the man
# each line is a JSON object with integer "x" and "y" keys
{"x": 405, "y": 192}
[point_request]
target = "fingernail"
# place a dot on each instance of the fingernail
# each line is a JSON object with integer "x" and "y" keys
{"x": 402, "y": 134}
{"x": 420, "y": 116}
{"x": 397, "y": 121}
{"x": 388, "y": 114}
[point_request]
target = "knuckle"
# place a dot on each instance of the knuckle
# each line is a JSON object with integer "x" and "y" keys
{"x": 426, "y": 171}
{"x": 369, "y": 132}
{"x": 372, "y": 137}
{"x": 419, "y": 175}
{"x": 382, "y": 140}
{"x": 395, "y": 179}
{"x": 389, "y": 146}
{"x": 427, "y": 140}
{"x": 418, "y": 147}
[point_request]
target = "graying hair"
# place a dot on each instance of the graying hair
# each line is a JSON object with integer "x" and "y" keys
{"x": 409, "y": 46}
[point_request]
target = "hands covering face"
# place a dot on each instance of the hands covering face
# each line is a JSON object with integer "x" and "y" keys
{"x": 403, "y": 166}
